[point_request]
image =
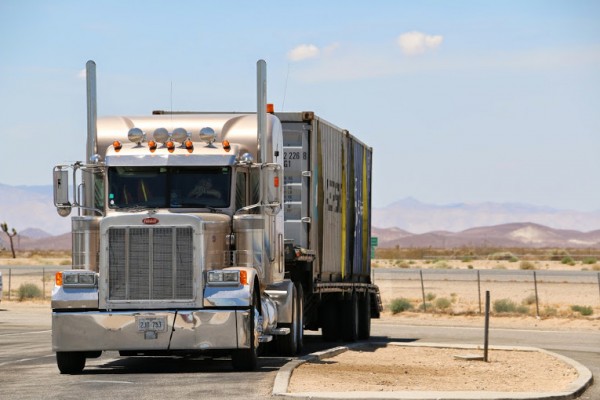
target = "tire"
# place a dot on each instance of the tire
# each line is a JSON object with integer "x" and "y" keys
{"x": 291, "y": 344}
{"x": 287, "y": 345}
{"x": 330, "y": 320}
{"x": 350, "y": 318}
{"x": 247, "y": 359}
{"x": 364, "y": 317}
{"x": 70, "y": 362}
{"x": 300, "y": 339}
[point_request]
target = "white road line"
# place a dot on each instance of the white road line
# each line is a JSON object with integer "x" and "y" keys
{"x": 126, "y": 382}
{"x": 24, "y": 360}
{"x": 24, "y": 333}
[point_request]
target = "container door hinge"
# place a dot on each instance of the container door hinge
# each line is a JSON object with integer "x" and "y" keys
{"x": 306, "y": 220}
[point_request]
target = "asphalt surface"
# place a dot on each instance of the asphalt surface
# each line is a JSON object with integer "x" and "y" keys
{"x": 28, "y": 369}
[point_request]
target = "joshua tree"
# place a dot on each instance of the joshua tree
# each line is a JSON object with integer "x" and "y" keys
{"x": 4, "y": 227}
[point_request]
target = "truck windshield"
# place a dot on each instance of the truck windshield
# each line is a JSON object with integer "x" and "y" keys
{"x": 169, "y": 187}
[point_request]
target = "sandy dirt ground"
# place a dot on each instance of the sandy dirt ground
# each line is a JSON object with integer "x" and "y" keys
{"x": 399, "y": 368}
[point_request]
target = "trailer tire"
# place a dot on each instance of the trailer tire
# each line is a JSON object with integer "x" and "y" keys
{"x": 291, "y": 344}
{"x": 247, "y": 359}
{"x": 350, "y": 318}
{"x": 330, "y": 320}
{"x": 70, "y": 362}
{"x": 364, "y": 317}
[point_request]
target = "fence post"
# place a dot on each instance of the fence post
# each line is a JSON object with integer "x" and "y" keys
{"x": 43, "y": 283}
{"x": 537, "y": 303}
{"x": 423, "y": 290}
{"x": 486, "y": 339}
{"x": 479, "y": 290}
{"x": 9, "y": 281}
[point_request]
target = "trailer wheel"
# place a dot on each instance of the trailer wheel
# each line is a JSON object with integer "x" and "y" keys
{"x": 350, "y": 318}
{"x": 70, "y": 362}
{"x": 330, "y": 320}
{"x": 364, "y": 317}
{"x": 247, "y": 359}
{"x": 291, "y": 344}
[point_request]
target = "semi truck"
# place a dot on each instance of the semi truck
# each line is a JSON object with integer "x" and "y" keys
{"x": 213, "y": 233}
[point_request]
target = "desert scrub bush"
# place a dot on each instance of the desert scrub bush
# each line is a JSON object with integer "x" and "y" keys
{"x": 403, "y": 264}
{"x": 505, "y": 306}
{"x": 430, "y": 296}
{"x": 442, "y": 264}
{"x": 522, "y": 309}
{"x": 467, "y": 259}
{"x": 504, "y": 256}
{"x": 549, "y": 312}
{"x": 29, "y": 291}
{"x": 442, "y": 303}
{"x": 426, "y": 306}
{"x": 529, "y": 300}
{"x": 400, "y": 305}
{"x": 567, "y": 260}
{"x": 583, "y": 310}
{"x": 527, "y": 265}
{"x": 589, "y": 260}
{"x": 558, "y": 255}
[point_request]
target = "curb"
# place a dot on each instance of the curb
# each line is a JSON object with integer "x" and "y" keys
{"x": 574, "y": 390}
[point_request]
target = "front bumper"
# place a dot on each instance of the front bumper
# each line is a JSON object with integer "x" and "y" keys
{"x": 185, "y": 330}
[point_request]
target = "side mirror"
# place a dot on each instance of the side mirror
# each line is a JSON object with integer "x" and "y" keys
{"x": 61, "y": 191}
{"x": 272, "y": 187}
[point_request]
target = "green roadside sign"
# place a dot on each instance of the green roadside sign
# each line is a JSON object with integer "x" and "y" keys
{"x": 374, "y": 241}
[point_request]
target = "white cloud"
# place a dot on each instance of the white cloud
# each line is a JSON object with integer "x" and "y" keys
{"x": 413, "y": 43}
{"x": 303, "y": 52}
{"x": 81, "y": 74}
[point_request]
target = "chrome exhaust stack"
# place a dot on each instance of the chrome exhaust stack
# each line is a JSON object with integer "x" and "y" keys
{"x": 261, "y": 112}
{"x": 92, "y": 132}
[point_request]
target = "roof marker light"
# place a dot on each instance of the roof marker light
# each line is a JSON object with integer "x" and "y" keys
{"x": 170, "y": 146}
{"x": 226, "y": 145}
{"x": 189, "y": 145}
{"x": 152, "y": 146}
{"x": 117, "y": 145}
{"x": 270, "y": 108}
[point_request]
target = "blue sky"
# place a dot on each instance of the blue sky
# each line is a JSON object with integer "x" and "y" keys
{"x": 462, "y": 101}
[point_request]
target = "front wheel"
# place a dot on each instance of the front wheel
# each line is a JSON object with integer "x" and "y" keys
{"x": 247, "y": 359}
{"x": 70, "y": 362}
{"x": 291, "y": 344}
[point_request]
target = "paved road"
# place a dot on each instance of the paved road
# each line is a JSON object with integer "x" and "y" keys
{"x": 28, "y": 370}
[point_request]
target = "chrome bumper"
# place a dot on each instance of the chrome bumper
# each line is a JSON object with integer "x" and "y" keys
{"x": 185, "y": 330}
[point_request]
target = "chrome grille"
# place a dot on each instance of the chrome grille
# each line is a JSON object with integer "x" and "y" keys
{"x": 150, "y": 263}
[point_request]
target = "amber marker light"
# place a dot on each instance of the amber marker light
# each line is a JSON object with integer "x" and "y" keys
{"x": 152, "y": 146}
{"x": 170, "y": 146}
{"x": 189, "y": 145}
{"x": 276, "y": 181}
{"x": 117, "y": 145}
{"x": 226, "y": 145}
{"x": 270, "y": 108}
{"x": 243, "y": 277}
{"x": 58, "y": 279}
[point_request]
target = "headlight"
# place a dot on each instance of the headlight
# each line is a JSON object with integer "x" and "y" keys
{"x": 78, "y": 279}
{"x": 223, "y": 278}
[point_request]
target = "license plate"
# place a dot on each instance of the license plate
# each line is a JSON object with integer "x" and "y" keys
{"x": 156, "y": 324}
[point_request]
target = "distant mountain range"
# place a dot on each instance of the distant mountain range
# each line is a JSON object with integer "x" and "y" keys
{"x": 506, "y": 235}
{"x": 406, "y": 223}
{"x": 417, "y": 217}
